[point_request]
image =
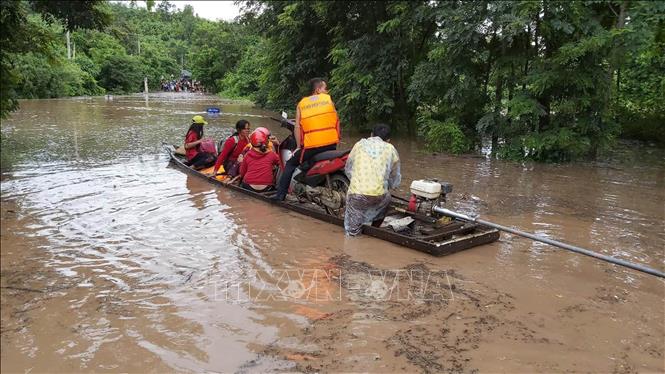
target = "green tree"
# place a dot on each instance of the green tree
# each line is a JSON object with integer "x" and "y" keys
{"x": 375, "y": 49}
{"x": 215, "y": 49}
{"x": 156, "y": 60}
{"x": 535, "y": 74}
{"x": 544, "y": 80}
{"x": 121, "y": 74}
{"x": 101, "y": 46}
{"x": 86, "y": 14}
{"x": 21, "y": 34}
{"x": 299, "y": 49}
{"x": 639, "y": 81}
{"x": 245, "y": 80}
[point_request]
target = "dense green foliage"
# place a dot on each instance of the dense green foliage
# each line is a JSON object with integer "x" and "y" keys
{"x": 32, "y": 64}
{"x": 113, "y": 47}
{"x": 542, "y": 80}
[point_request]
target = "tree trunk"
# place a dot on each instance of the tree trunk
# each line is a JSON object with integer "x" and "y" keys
{"x": 498, "y": 98}
{"x": 545, "y": 98}
{"x": 490, "y": 59}
{"x": 511, "y": 88}
{"x": 403, "y": 113}
{"x": 527, "y": 48}
{"x": 69, "y": 46}
{"x": 614, "y": 54}
{"x": 614, "y": 68}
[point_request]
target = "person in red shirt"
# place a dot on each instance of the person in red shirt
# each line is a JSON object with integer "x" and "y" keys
{"x": 232, "y": 148}
{"x": 258, "y": 165}
{"x": 197, "y": 158}
{"x": 273, "y": 143}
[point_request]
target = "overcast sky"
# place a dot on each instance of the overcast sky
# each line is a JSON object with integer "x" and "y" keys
{"x": 212, "y": 10}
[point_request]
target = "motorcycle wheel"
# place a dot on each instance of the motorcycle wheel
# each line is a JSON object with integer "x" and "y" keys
{"x": 339, "y": 183}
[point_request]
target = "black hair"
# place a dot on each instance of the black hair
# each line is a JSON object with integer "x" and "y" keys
{"x": 240, "y": 125}
{"x": 197, "y": 128}
{"x": 315, "y": 83}
{"x": 382, "y": 131}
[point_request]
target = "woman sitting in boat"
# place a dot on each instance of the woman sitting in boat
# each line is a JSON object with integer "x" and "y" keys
{"x": 232, "y": 148}
{"x": 198, "y": 150}
{"x": 256, "y": 168}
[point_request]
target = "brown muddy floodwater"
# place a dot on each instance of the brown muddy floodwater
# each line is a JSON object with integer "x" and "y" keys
{"x": 114, "y": 261}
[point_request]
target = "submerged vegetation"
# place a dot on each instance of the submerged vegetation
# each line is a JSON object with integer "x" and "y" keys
{"x": 542, "y": 80}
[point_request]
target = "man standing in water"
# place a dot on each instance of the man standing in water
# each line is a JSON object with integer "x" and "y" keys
{"x": 317, "y": 130}
{"x": 374, "y": 169}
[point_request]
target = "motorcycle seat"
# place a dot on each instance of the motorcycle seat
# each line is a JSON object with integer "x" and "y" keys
{"x": 327, "y": 155}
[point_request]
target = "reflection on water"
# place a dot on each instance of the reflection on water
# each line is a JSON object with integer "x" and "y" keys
{"x": 130, "y": 260}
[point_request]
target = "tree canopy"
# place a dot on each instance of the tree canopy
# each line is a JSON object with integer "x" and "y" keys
{"x": 544, "y": 80}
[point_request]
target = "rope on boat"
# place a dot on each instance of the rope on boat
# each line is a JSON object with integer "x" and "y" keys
{"x": 555, "y": 243}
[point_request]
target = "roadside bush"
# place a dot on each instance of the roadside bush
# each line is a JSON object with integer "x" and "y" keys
{"x": 640, "y": 127}
{"x": 444, "y": 136}
{"x": 121, "y": 74}
{"x": 41, "y": 78}
{"x": 244, "y": 81}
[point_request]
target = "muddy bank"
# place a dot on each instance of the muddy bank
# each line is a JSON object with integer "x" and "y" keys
{"x": 422, "y": 320}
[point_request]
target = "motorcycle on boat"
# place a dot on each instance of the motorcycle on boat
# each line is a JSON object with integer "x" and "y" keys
{"x": 319, "y": 180}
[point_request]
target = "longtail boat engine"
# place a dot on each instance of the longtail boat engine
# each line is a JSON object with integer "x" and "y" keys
{"x": 426, "y": 194}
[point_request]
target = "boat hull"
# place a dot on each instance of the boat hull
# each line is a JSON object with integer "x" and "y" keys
{"x": 453, "y": 237}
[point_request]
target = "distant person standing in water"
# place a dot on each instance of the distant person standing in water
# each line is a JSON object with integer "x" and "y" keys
{"x": 317, "y": 130}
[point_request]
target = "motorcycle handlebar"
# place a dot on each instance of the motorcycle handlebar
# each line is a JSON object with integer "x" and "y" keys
{"x": 284, "y": 122}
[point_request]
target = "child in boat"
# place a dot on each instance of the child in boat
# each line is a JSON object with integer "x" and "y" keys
{"x": 198, "y": 156}
{"x": 232, "y": 148}
{"x": 257, "y": 166}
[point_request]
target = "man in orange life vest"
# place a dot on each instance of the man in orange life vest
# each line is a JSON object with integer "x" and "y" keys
{"x": 317, "y": 129}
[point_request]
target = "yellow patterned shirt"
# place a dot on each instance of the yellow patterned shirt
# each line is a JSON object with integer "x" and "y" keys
{"x": 373, "y": 167}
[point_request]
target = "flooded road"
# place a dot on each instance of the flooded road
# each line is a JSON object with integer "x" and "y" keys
{"x": 111, "y": 260}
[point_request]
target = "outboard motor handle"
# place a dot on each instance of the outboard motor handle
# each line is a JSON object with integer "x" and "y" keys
{"x": 572, "y": 248}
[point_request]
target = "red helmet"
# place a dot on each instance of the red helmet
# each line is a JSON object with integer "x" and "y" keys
{"x": 264, "y": 130}
{"x": 258, "y": 138}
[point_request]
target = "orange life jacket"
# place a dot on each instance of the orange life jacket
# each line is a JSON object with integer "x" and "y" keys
{"x": 318, "y": 121}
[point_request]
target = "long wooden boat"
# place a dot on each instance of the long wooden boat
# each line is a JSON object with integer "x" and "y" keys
{"x": 435, "y": 237}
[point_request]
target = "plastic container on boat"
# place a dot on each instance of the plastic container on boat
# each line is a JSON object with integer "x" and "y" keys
{"x": 426, "y": 189}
